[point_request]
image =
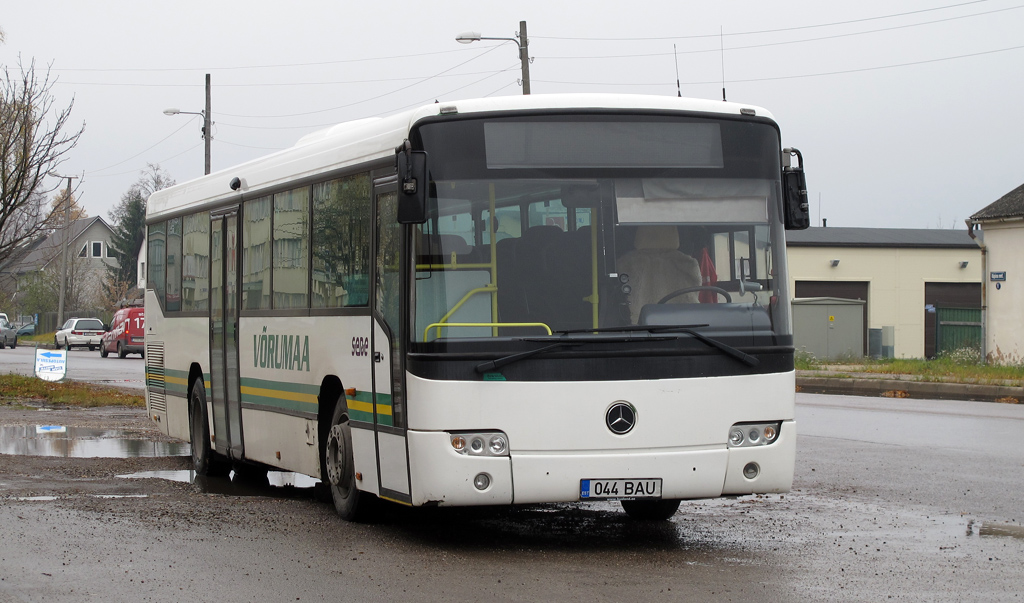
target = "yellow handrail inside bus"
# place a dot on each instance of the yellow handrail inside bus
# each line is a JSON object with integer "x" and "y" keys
{"x": 465, "y": 298}
{"x": 494, "y": 325}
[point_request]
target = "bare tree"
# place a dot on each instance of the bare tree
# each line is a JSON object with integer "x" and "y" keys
{"x": 34, "y": 141}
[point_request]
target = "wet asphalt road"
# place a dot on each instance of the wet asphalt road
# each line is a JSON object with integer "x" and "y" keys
{"x": 893, "y": 500}
{"x": 83, "y": 365}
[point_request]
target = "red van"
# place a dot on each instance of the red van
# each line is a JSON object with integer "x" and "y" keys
{"x": 127, "y": 333}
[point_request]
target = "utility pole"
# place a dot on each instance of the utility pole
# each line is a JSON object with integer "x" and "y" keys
{"x": 521, "y": 41}
{"x": 524, "y": 56}
{"x": 207, "y": 133}
{"x": 207, "y": 122}
{"x": 64, "y": 253}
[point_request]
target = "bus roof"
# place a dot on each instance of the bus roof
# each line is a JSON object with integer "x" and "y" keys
{"x": 356, "y": 142}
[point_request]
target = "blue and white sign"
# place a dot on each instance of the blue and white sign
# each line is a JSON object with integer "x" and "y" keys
{"x": 997, "y": 276}
{"x": 51, "y": 365}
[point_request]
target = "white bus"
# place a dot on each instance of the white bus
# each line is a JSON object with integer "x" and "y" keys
{"x": 497, "y": 301}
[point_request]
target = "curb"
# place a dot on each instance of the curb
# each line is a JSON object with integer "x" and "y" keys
{"x": 899, "y": 388}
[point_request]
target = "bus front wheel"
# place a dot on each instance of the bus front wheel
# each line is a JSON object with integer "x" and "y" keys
{"x": 650, "y": 510}
{"x": 350, "y": 503}
{"x": 204, "y": 459}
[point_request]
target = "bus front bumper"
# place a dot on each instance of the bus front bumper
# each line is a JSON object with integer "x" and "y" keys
{"x": 445, "y": 477}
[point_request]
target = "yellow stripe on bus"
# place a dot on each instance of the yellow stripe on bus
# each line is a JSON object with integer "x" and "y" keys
{"x": 280, "y": 395}
{"x": 367, "y": 407}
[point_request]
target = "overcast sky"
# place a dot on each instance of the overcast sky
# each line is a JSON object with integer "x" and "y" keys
{"x": 908, "y": 114}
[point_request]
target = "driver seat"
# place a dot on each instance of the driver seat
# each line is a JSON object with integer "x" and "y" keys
{"x": 656, "y": 268}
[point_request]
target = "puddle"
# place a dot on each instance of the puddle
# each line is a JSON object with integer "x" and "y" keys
{"x": 81, "y": 442}
{"x": 276, "y": 483}
{"x": 30, "y": 498}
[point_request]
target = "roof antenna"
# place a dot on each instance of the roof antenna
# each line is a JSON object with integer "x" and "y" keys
{"x": 721, "y": 37}
{"x": 679, "y": 90}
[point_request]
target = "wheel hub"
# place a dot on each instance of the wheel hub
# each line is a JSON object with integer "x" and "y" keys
{"x": 335, "y": 455}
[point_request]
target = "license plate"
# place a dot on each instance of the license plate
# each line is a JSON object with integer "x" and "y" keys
{"x": 620, "y": 488}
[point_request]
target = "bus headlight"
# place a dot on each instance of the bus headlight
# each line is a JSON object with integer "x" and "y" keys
{"x": 753, "y": 434}
{"x": 491, "y": 443}
{"x": 498, "y": 445}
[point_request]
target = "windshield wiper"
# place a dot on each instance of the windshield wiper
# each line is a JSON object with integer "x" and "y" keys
{"x": 687, "y": 329}
{"x": 490, "y": 365}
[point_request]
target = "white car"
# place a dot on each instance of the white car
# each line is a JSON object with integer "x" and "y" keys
{"x": 80, "y": 332}
{"x": 8, "y": 334}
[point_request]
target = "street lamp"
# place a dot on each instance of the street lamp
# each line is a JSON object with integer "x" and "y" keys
{"x": 522, "y": 42}
{"x": 207, "y": 134}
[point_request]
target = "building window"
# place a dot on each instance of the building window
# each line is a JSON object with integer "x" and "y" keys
{"x": 97, "y": 249}
{"x": 84, "y": 252}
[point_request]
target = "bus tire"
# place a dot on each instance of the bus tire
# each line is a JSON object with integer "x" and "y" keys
{"x": 351, "y": 503}
{"x": 204, "y": 459}
{"x": 650, "y": 510}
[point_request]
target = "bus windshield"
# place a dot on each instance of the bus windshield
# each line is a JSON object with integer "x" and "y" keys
{"x": 540, "y": 226}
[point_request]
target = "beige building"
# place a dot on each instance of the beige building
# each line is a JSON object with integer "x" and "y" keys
{"x": 901, "y": 274}
{"x": 1000, "y": 230}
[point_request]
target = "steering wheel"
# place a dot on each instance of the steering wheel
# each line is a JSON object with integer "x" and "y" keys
{"x": 678, "y": 292}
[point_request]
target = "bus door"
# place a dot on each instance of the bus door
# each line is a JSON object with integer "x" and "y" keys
{"x": 388, "y": 366}
{"x": 227, "y": 407}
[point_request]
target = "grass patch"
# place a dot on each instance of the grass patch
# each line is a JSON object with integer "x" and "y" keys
{"x": 41, "y": 338}
{"x": 947, "y": 368}
{"x": 18, "y": 389}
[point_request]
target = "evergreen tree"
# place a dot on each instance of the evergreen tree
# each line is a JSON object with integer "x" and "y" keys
{"x": 128, "y": 221}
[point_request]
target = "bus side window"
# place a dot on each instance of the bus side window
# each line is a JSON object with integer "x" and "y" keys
{"x": 156, "y": 246}
{"x": 341, "y": 242}
{"x": 291, "y": 246}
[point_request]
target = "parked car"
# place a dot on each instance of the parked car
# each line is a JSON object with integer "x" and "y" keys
{"x": 8, "y": 334}
{"x": 127, "y": 334}
{"x": 27, "y": 329}
{"x": 80, "y": 332}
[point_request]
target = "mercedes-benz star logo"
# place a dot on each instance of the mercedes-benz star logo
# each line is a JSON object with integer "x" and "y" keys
{"x": 620, "y": 418}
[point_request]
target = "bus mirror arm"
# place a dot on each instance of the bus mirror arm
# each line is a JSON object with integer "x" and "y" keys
{"x": 412, "y": 185}
{"x": 796, "y": 212}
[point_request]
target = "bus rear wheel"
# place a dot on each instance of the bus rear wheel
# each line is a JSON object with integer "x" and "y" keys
{"x": 204, "y": 460}
{"x": 650, "y": 510}
{"x": 339, "y": 468}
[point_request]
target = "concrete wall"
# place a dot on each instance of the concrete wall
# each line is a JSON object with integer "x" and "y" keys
{"x": 1004, "y": 324}
{"x": 897, "y": 277}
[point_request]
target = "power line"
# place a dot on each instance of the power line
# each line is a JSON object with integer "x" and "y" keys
{"x": 784, "y": 43}
{"x": 410, "y": 105}
{"x": 271, "y": 66}
{"x": 764, "y": 31}
{"x": 275, "y": 84}
{"x": 423, "y": 80}
{"x": 175, "y": 156}
{"x": 790, "y": 77}
{"x": 148, "y": 148}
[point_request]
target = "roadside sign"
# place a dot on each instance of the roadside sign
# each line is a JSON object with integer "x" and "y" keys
{"x": 997, "y": 276}
{"x": 51, "y": 365}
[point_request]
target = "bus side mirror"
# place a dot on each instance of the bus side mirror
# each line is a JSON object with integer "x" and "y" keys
{"x": 412, "y": 186}
{"x": 796, "y": 211}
